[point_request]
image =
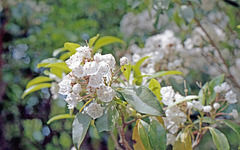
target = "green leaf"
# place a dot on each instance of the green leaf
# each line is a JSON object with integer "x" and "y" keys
{"x": 205, "y": 119}
{"x": 126, "y": 70}
{"x": 48, "y": 61}
{"x": 106, "y": 40}
{"x": 219, "y": 139}
{"x": 71, "y": 47}
{"x": 155, "y": 87}
{"x": 79, "y": 128}
{"x": 65, "y": 56}
{"x": 137, "y": 76}
{"x": 142, "y": 99}
{"x": 108, "y": 120}
{"x": 35, "y": 87}
{"x": 143, "y": 135}
{"x": 60, "y": 65}
{"x": 58, "y": 51}
{"x": 58, "y": 117}
{"x": 57, "y": 71}
{"x": 187, "y": 13}
{"x": 93, "y": 40}
{"x": 37, "y": 80}
{"x": 235, "y": 128}
{"x": 157, "y": 135}
{"x": 139, "y": 63}
{"x": 137, "y": 145}
{"x": 203, "y": 94}
{"x": 187, "y": 98}
{"x": 216, "y": 81}
{"x": 165, "y": 73}
{"x": 238, "y": 26}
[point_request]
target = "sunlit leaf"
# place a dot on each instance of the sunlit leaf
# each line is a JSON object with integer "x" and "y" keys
{"x": 155, "y": 87}
{"x": 219, "y": 139}
{"x": 60, "y": 65}
{"x": 65, "y": 56}
{"x": 165, "y": 73}
{"x": 106, "y": 40}
{"x": 79, "y": 128}
{"x": 58, "y": 51}
{"x": 58, "y": 117}
{"x": 35, "y": 87}
{"x": 57, "y": 71}
{"x": 126, "y": 70}
{"x": 48, "y": 61}
{"x": 93, "y": 40}
{"x": 143, "y": 135}
{"x": 137, "y": 143}
{"x": 184, "y": 141}
{"x": 203, "y": 94}
{"x": 71, "y": 47}
{"x": 139, "y": 63}
{"x": 37, "y": 80}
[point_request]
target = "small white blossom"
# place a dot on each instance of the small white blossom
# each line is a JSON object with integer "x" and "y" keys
{"x": 97, "y": 57}
{"x": 78, "y": 72}
{"x": 217, "y": 89}
{"x": 231, "y": 97}
{"x": 171, "y": 139}
{"x": 103, "y": 68}
{"x": 167, "y": 95}
{"x": 189, "y": 105}
{"x": 85, "y": 51}
{"x": 178, "y": 97}
{"x": 225, "y": 86}
{"x": 94, "y": 110}
{"x": 109, "y": 59}
{"x": 77, "y": 88}
{"x": 54, "y": 90}
{"x": 216, "y": 105}
{"x": 96, "y": 81}
{"x": 72, "y": 100}
{"x": 197, "y": 105}
{"x": 105, "y": 93}
{"x": 75, "y": 60}
{"x": 65, "y": 87}
{"x": 90, "y": 68}
{"x": 234, "y": 113}
{"x": 124, "y": 61}
{"x": 207, "y": 108}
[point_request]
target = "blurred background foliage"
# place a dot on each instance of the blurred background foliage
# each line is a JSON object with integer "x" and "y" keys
{"x": 31, "y": 29}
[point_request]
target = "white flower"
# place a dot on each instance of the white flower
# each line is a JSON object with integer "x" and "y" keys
{"x": 109, "y": 59}
{"x": 65, "y": 87}
{"x": 124, "y": 61}
{"x": 231, "y": 97}
{"x": 97, "y": 57}
{"x": 189, "y": 105}
{"x": 105, "y": 93}
{"x": 207, "y": 108}
{"x": 90, "y": 68}
{"x": 178, "y": 97}
{"x": 167, "y": 95}
{"x": 72, "y": 100}
{"x": 78, "y": 71}
{"x": 197, "y": 105}
{"x": 234, "y": 113}
{"x": 225, "y": 86}
{"x": 95, "y": 81}
{"x": 171, "y": 139}
{"x": 94, "y": 110}
{"x": 77, "y": 88}
{"x": 216, "y": 105}
{"x": 75, "y": 60}
{"x": 54, "y": 90}
{"x": 217, "y": 89}
{"x": 85, "y": 51}
{"x": 103, "y": 68}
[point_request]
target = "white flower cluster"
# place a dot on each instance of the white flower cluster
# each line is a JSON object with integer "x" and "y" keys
{"x": 142, "y": 22}
{"x": 230, "y": 96}
{"x": 164, "y": 50}
{"x": 174, "y": 115}
{"x": 91, "y": 76}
